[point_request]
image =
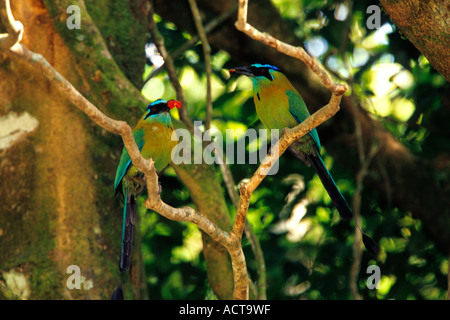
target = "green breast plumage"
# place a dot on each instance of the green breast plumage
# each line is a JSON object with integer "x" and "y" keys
{"x": 278, "y": 108}
{"x": 153, "y": 138}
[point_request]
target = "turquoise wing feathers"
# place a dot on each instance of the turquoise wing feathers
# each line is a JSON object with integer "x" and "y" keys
{"x": 299, "y": 111}
{"x": 125, "y": 161}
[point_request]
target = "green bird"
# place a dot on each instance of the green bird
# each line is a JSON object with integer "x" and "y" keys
{"x": 279, "y": 105}
{"x": 153, "y": 135}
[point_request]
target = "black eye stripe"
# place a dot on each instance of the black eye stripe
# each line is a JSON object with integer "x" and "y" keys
{"x": 265, "y": 73}
{"x": 261, "y": 71}
{"x": 155, "y": 109}
{"x": 159, "y": 105}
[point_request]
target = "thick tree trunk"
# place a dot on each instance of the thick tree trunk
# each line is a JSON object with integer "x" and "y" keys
{"x": 59, "y": 217}
{"x": 58, "y": 207}
{"x": 426, "y": 25}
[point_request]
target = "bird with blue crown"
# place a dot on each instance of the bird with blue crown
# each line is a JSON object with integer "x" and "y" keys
{"x": 153, "y": 136}
{"x": 279, "y": 105}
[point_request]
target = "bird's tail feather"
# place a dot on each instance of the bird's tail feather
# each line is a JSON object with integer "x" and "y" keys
{"x": 129, "y": 212}
{"x": 118, "y": 293}
{"x": 339, "y": 200}
{"x": 330, "y": 186}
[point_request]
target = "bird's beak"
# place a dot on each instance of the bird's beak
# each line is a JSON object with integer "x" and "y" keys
{"x": 174, "y": 104}
{"x": 242, "y": 70}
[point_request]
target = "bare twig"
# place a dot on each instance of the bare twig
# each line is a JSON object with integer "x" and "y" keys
{"x": 356, "y": 208}
{"x": 226, "y": 173}
{"x": 208, "y": 28}
{"x": 207, "y": 56}
{"x": 365, "y": 162}
{"x": 146, "y": 166}
{"x": 296, "y": 52}
{"x": 249, "y": 233}
{"x": 228, "y": 178}
{"x": 170, "y": 67}
{"x": 356, "y": 201}
{"x": 194, "y": 39}
{"x": 261, "y": 285}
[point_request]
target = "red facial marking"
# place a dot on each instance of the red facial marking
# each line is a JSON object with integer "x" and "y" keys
{"x": 174, "y": 104}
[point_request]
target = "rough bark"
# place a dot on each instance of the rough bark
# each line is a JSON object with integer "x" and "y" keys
{"x": 56, "y": 219}
{"x": 426, "y": 25}
{"x": 59, "y": 208}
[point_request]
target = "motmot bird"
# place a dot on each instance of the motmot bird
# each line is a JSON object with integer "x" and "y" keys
{"x": 153, "y": 135}
{"x": 279, "y": 105}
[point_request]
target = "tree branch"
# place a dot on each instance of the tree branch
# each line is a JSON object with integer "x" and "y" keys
{"x": 195, "y": 38}
{"x": 295, "y": 52}
{"x": 207, "y": 57}
{"x": 146, "y": 166}
{"x": 290, "y": 135}
{"x": 170, "y": 67}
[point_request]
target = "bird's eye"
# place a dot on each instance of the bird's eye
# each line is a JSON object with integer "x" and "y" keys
{"x": 262, "y": 71}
